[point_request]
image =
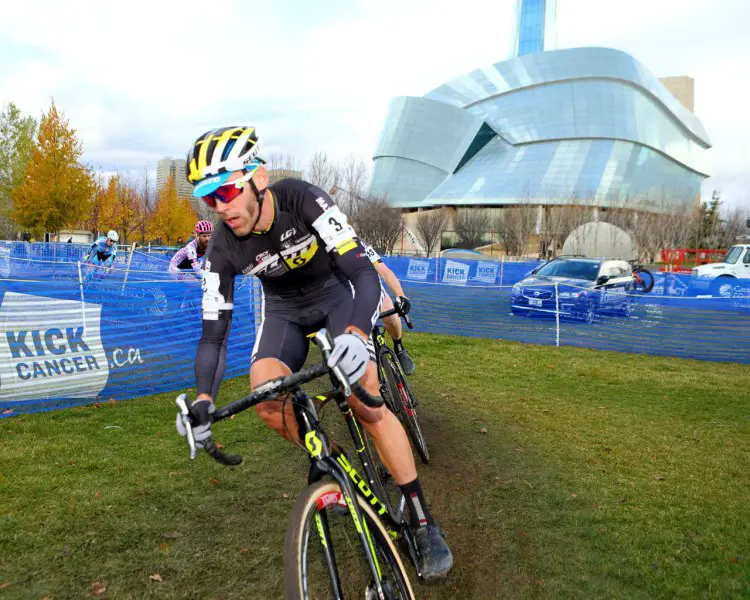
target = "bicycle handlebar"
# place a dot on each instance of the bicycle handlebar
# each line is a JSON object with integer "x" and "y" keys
{"x": 394, "y": 311}
{"x": 271, "y": 390}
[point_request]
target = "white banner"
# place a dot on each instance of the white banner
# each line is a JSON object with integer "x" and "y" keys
{"x": 418, "y": 269}
{"x": 486, "y": 272}
{"x": 50, "y": 348}
{"x": 455, "y": 272}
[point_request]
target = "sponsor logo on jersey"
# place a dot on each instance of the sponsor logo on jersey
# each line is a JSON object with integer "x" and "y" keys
{"x": 322, "y": 203}
{"x": 287, "y": 234}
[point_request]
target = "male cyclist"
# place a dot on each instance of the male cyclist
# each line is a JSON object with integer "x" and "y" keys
{"x": 314, "y": 274}
{"x": 102, "y": 252}
{"x": 190, "y": 256}
{"x": 393, "y": 322}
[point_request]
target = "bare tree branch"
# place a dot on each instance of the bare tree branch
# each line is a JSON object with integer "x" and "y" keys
{"x": 514, "y": 227}
{"x": 430, "y": 226}
{"x": 378, "y": 223}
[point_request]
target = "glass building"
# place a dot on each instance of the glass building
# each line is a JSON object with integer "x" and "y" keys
{"x": 535, "y": 30}
{"x": 558, "y": 127}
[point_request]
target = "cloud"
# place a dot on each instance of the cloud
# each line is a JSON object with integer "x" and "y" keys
{"x": 143, "y": 79}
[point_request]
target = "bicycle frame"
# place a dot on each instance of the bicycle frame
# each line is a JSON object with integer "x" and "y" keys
{"x": 335, "y": 463}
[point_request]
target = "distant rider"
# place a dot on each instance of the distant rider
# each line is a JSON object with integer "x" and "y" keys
{"x": 103, "y": 251}
{"x": 191, "y": 255}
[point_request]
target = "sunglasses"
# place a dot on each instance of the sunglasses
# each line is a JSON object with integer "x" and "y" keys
{"x": 227, "y": 192}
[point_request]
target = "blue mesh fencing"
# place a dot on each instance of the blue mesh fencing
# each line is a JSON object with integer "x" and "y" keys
{"x": 128, "y": 333}
{"x": 134, "y": 331}
{"x": 679, "y": 317}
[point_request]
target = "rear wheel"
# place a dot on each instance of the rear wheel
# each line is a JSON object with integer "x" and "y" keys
{"x": 324, "y": 556}
{"x": 402, "y": 400}
{"x": 644, "y": 280}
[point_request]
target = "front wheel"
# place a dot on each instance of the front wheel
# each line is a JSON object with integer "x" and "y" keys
{"x": 324, "y": 556}
{"x": 402, "y": 400}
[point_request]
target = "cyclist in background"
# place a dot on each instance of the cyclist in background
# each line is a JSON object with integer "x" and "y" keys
{"x": 191, "y": 255}
{"x": 393, "y": 322}
{"x": 103, "y": 251}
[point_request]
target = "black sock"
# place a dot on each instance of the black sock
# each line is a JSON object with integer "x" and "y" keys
{"x": 419, "y": 513}
{"x": 398, "y": 346}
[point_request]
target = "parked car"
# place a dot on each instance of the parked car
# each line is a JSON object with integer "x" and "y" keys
{"x": 720, "y": 278}
{"x": 587, "y": 287}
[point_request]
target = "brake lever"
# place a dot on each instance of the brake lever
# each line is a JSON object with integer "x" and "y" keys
{"x": 185, "y": 416}
{"x": 324, "y": 341}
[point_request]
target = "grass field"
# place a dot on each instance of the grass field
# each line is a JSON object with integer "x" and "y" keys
{"x": 557, "y": 473}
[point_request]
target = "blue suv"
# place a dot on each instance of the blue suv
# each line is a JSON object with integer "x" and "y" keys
{"x": 586, "y": 288}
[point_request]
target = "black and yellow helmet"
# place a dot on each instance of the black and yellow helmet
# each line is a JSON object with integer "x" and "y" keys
{"x": 218, "y": 153}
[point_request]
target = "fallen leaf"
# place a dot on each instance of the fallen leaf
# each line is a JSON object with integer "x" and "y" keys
{"x": 171, "y": 535}
{"x": 98, "y": 494}
{"x": 659, "y": 477}
{"x": 214, "y": 482}
{"x": 285, "y": 495}
{"x": 233, "y": 417}
{"x": 244, "y": 550}
{"x": 164, "y": 547}
{"x": 483, "y": 430}
{"x": 98, "y": 588}
{"x": 155, "y": 577}
{"x": 4, "y": 585}
{"x": 518, "y": 448}
{"x": 574, "y": 495}
{"x": 111, "y": 401}
{"x": 97, "y": 405}
{"x": 220, "y": 446}
{"x": 734, "y": 560}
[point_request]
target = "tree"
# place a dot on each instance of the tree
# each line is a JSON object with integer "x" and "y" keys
{"x": 471, "y": 225}
{"x": 17, "y": 136}
{"x": 173, "y": 216}
{"x": 323, "y": 172}
{"x": 430, "y": 226}
{"x": 57, "y": 189}
{"x": 378, "y": 223}
{"x": 514, "y": 227}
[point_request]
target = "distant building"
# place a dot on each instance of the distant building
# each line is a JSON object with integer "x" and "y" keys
{"x": 175, "y": 167}
{"x": 682, "y": 88}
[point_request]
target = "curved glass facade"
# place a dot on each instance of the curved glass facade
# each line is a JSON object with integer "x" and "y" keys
{"x": 585, "y": 123}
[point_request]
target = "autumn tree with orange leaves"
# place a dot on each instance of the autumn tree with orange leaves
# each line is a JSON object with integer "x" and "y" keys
{"x": 57, "y": 189}
{"x": 118, "y": 205}
{"x": 172, "y": 217}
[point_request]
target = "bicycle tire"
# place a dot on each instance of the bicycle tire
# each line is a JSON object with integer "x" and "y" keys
{"x": 403, "y": 401}
{"x": 647, "y": 279}
{"x": 302, "y": 520}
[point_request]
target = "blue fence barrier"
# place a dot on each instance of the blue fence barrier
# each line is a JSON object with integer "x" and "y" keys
{"x": 134, "y": 331}
{"x": 129, "y": 333}
{"x": 679, "y": 317}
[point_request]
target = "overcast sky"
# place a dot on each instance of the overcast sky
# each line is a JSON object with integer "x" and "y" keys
{"x": 142, "y": 79}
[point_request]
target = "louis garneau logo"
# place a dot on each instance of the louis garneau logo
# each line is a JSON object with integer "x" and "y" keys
{"x": 287, "y": 234}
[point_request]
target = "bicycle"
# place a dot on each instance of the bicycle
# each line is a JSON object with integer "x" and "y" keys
{"x": 644, "y": 279}
{"x": 394, "y": 388}
{"x": 337, "y": 503}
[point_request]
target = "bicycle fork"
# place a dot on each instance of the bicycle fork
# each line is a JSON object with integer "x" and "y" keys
{"x": 324, "y": 463}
